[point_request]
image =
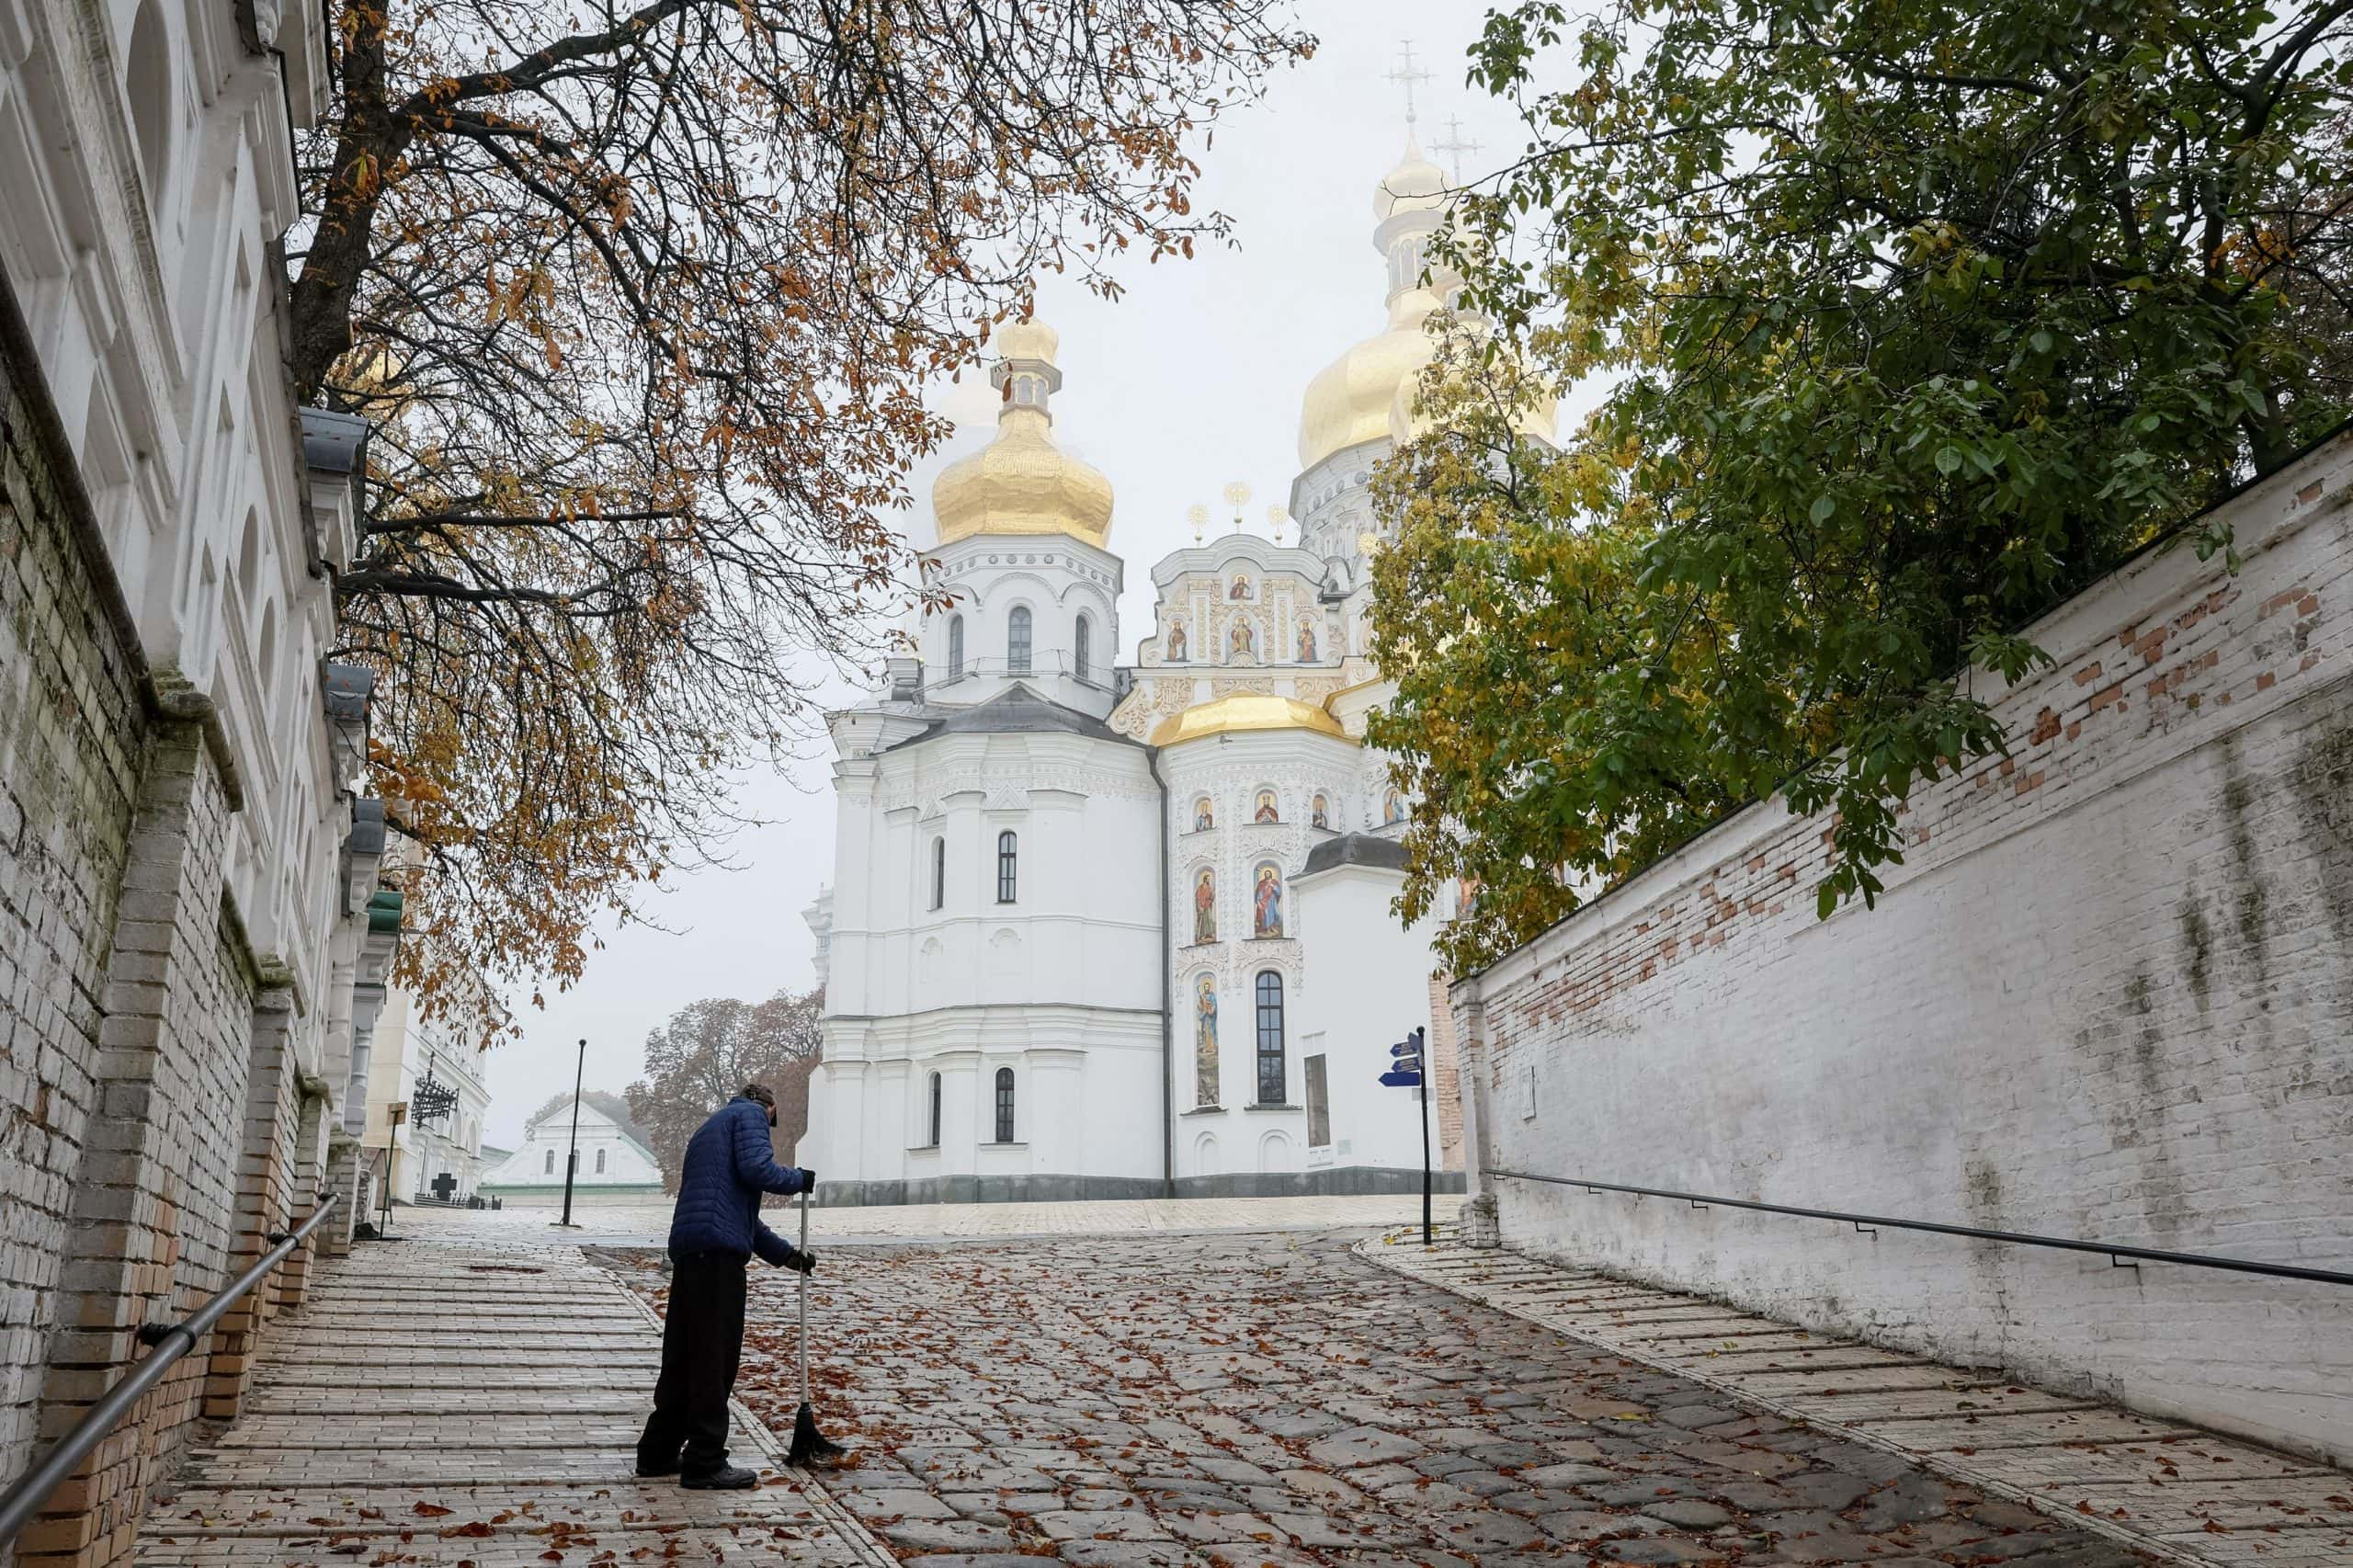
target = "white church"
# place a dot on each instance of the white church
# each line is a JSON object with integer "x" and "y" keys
{"x": 1124, "y": 931}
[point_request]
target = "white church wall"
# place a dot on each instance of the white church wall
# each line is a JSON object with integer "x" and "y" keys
{"x": 1368, "y": 985}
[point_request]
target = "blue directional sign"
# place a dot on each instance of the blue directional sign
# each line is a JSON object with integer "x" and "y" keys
{"x": 1406, "y": 1048}
{"x": 1403, "y": 1079}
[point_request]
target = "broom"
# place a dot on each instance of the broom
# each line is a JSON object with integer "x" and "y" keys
{"x": 809, "y": 1445}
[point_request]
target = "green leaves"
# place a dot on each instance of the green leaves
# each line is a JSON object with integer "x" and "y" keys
{"x": 1908, "y": 318}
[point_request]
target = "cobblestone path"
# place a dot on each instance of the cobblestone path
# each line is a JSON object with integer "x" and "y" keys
{"x": 2186, "y": 1494}
{"x": 1274, "y": 1399}
{"x": 442, "y": 1402}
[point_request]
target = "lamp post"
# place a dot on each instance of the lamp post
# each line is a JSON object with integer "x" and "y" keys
{"x": 572, "y": 1155}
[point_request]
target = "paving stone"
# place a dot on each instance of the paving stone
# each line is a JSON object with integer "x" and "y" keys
{"x": 1688, "y": 1512}
{"x": 1570, "y": 1475}
{"x": 1829, "y": 1490}
{"x": 1122, "y": 1554}
{"x": 1362, "y": 1446}
{"x": 896, "y": 1505}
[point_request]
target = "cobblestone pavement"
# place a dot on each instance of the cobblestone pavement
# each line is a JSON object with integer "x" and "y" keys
{"x": 646, "y": 1225}
{"x": 2186, "y": 1493}
{"x": 442, "y": 1402}
{"x": 1150, "y": 1402}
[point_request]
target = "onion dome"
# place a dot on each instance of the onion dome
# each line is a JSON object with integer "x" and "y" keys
{"x": 1021, "y": 483}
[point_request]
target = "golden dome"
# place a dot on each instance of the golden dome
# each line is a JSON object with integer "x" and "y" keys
{"x": 1245, "y": 711}
{"x": 1537, "y": 420}
{"x": 1349, "y": 401}
{"x": 1021, "y": 483}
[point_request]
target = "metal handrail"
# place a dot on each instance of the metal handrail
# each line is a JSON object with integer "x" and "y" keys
{"x": 2116, "y": 1251}
{"x": 30, "y": 1490}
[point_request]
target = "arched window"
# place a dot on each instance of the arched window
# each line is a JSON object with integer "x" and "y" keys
{"x": 1270, "y": 1037}
{"x": 938, "y": 872}
{"x": 955, "y": 646}
{"x": 1008, "y": 863}
{"x": 550, "y": 1170}
{"x": 933, "y": 1143}
{"x": 1005, "y": 1104}
{"x": 147, "y": 82}
{"x": 600, "y": 1162}
{"x": 1079, "y": 649}
{"x": 1016, "y": 641}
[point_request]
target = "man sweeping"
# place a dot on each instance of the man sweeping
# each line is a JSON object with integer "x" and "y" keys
{"x": 713, "y": 1233}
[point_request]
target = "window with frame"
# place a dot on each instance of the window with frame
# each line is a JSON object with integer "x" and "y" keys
{"x": 600, "y": 1162}
{"x": 550, "y": 1168}
{"x": 932, "y": 1141}
{"x": 1009, "y": 865}
{"x": 1016, "y": 641}
{"x": 955, "y": 646}
{"x": 1319, "y": 1104}
{"x": 1079, "y": 649}
{"x": 938, "y": 872}
{"x": 1005, "y": 1104}
{"x": 1270, "y": 1037}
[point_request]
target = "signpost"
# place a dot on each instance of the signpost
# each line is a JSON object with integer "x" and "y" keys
{"x": 1406, "y": 1072}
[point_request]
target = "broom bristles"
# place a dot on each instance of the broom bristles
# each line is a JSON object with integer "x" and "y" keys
{"x": 809, "y": 1445}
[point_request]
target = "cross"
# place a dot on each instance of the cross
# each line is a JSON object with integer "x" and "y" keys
{"x": 444, "y": 1185}
{"x": 1406, "y": 75}
{"x": 1454, "y": 146}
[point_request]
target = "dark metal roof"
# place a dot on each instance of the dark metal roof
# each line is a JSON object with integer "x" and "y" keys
{"x": 1355, "y": 849}
{"x": 345, "y": 690}
{"x": 1016, "y": 711}
{"x": 331, "y": 441}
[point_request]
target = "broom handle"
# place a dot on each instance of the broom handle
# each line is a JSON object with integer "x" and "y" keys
{"x": 804, "y": 1299}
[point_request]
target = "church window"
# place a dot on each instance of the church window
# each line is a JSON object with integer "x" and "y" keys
{"x": 1319, "y": 1104}
{"x": 955, "y": 647}
{"x": 1270, "y": 1037}
{"x": 1005, "y": 1104}
{"x": 600, "y": 1162}
{"x": 933, "y": 1142}
{"x": 1078, "y": 655}
{"x": 1008, "y": 864}
{"x": 938, "y": 872}
{"x": 550, "y": 1168}
{"x": 1016, "y": 641}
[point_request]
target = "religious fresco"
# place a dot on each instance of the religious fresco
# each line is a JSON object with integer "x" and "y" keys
{"x": 1319, "y": 813}
{"x": 1241, "y": 643}
{"x": 1306, "y": 641}
{"x": 1240, "y": 590}
{"x": 1173, "y": 650}
{"x": 1266, "y": 810}
{"x": 1205, "y": 907}
{"x": 1205, "y": 1042}
{"x": 1392, "y": 808}
{"x": 1204, "y": 817}
{"x": 1466, "y": 897}
{"x": 1267, "y": 903}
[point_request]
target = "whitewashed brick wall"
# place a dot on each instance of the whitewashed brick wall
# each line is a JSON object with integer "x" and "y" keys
{"x": 2109, "y": 996}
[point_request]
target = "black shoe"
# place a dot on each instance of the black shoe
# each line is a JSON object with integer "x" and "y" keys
{"x": 726, "y": 1478}
{"x": 657, "y": 1467}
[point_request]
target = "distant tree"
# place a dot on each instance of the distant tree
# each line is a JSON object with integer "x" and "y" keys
{"x": 1906, "y": 319}
{"x": 709, "y": 1050}
{"x": 644, "y": 301}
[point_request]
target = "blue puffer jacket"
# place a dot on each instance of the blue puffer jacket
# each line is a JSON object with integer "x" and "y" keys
{"x": 728, "y": 1163}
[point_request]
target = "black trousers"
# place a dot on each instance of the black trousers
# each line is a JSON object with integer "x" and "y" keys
{"x": 702, "y": 1341}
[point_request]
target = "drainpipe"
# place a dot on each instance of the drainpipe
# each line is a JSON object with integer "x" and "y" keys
{"x": 1167, "y": 1020}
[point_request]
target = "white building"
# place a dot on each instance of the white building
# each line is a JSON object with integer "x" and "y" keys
{"x": 433, "y": 1070}
{"x": 1066, "y": 951}
{"x": 612, "y": 1166}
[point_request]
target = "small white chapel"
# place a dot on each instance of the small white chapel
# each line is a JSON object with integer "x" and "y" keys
{"x": 1122, "y": 930}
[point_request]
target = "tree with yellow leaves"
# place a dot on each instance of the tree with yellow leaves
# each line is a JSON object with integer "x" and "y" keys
{"x": 644, "y": 303}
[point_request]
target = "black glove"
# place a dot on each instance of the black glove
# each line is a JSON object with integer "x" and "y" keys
{"x": 801, "y": 1262}
{"x": 808, "y": 1179}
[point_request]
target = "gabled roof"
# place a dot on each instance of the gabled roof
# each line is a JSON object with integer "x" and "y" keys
{"x": 1016, "y": 711}
{"x": 1355, "y": 849}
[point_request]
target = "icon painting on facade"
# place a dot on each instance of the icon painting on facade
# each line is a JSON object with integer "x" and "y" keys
{"x": 1204, "y": 818}
{"x": 1241, "y": 643}
{"x": 1205, "y": 1042}
{"x": 1267, "y": 903}
{"x": 1392, "y": 808}
{"x": 1306, "y": 641}
{"x": 1174, "y": 647}
{"x": 1319, "y": 813}
{"x": 1241, "y": 589}
{"x": 1205, "y": 906}
{"x": 1266, "y": 810}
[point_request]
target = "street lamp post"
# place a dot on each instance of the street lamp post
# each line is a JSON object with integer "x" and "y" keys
{"x": 572, "y": 1155}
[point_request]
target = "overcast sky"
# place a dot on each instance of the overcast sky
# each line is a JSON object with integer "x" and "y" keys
{"x": 1190, "y": 381}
